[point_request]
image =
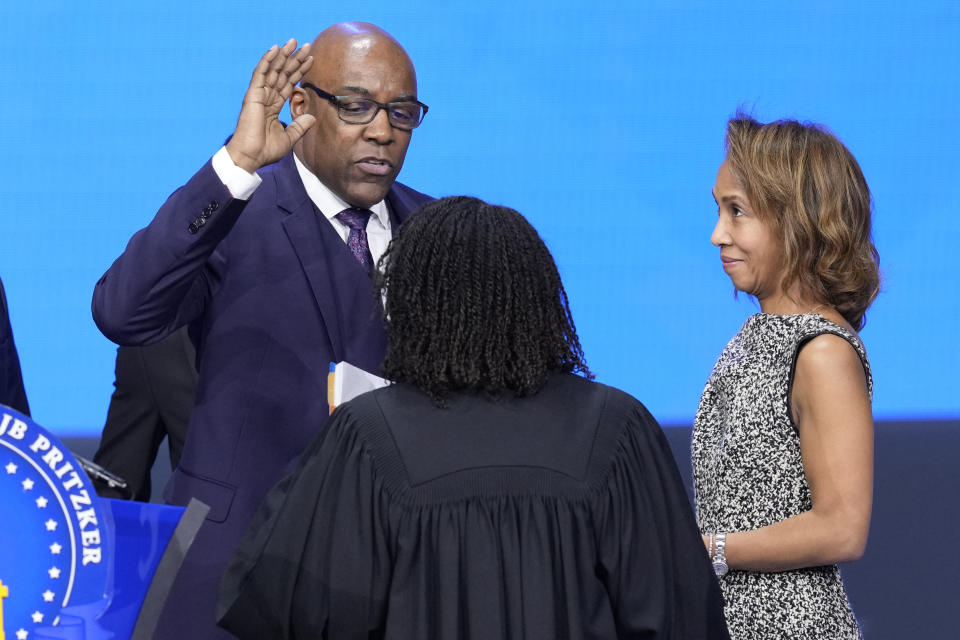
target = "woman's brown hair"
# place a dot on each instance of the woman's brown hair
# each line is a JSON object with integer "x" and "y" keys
{"x": 801, "y": 179}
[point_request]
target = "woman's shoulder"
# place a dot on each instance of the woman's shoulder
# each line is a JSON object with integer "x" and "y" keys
{"x": 611, "y": 401}
{"x": 791, "y": 332}
{"x": 829, "y": 337}
{"x": 828, "y": 347}
{"x": 620, "y": 416}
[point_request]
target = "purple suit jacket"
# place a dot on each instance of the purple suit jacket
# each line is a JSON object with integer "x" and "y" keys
{"x": 273, "y": 295}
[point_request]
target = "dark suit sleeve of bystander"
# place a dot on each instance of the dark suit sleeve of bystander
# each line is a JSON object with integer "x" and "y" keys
{"x": 152, "y": 399}
{"x": 12, "y": 392}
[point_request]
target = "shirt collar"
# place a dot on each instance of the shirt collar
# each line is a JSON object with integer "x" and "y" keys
{"x": 329, "y": 203}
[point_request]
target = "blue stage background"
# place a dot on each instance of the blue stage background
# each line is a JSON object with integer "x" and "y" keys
{"x": 604, "y": 125}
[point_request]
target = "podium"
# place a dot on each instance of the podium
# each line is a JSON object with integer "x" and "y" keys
{"x": 74, "y": 566}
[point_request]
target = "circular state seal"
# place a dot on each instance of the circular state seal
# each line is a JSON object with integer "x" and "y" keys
{"x": 54, "y": 549}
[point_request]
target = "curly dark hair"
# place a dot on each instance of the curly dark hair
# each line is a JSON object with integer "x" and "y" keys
{"x": 805, "y": 182}
{"x": 473, "y": 302}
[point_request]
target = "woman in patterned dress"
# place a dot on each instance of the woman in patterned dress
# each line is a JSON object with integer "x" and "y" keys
{"x": 783, "y": 438}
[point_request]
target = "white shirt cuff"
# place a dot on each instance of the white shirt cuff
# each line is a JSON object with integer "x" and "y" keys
{"x": 238, "y": 182}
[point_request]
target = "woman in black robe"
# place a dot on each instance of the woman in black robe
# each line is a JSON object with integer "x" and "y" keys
{"x": 491, "y": 492}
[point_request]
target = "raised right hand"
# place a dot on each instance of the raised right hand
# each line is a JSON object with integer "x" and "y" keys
{"x": 260, "y": 138}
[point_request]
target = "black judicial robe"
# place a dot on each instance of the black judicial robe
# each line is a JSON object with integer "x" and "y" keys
{"x": 560, "y": 515}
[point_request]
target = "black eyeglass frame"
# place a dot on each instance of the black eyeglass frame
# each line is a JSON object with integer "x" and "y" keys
{"x": 335, "y": 101}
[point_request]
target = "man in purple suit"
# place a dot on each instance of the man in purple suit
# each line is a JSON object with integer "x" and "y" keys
{"x": 266, "y": 253}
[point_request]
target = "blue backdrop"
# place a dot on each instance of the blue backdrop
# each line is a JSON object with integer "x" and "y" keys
{"x": 565, "y": 111}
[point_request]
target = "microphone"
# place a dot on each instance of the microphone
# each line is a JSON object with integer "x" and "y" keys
{"x": 99, "y": 474}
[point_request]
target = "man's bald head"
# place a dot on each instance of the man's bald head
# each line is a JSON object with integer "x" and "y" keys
{"x": 353, "y": 41}
{"x": 358, "y": 162}
{"x": 351, "y": 30}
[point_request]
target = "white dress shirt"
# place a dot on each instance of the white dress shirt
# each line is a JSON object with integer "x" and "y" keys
{"x": 242, "y": 185}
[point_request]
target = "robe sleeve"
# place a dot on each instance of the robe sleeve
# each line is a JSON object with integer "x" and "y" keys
{"x": 315, "y": 561}
{"x": 652, "y": 560}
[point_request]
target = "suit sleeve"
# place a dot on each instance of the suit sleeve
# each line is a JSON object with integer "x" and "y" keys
{"x": 652, "y": 560}
{"x": 169, "y": 269}
{"x": 133, "y": 431}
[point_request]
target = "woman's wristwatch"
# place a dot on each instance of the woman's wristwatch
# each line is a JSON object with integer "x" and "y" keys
{"x": 719, "y": 557}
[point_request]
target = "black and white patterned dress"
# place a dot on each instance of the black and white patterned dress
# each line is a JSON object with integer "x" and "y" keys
{"x": 748, "y": 474}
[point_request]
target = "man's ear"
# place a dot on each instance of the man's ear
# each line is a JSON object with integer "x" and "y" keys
{"x": 298, "y": 102}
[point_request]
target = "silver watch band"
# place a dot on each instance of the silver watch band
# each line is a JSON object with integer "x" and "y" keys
{"x": 720, "y": 554}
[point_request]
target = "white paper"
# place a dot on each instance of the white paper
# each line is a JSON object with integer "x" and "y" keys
{"x": 348, "y": 381}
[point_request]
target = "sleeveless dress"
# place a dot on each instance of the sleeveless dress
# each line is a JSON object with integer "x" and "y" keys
{"x": 748, "y": 473}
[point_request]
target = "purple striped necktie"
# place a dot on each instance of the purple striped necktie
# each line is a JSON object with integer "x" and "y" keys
{"x": 356, "y": 221}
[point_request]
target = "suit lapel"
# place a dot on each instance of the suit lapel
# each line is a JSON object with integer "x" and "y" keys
{"x": 400, "y": 206}
{"x": 306, "y": 236}
{"x": 340, "y": 286}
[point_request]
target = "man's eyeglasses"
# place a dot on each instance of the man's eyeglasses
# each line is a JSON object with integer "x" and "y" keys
{"x": 404, "y": 115}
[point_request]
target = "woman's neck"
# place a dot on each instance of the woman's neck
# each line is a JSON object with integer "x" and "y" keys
{"x": 782, "y": 303}
{"x": 796, "y": 304}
